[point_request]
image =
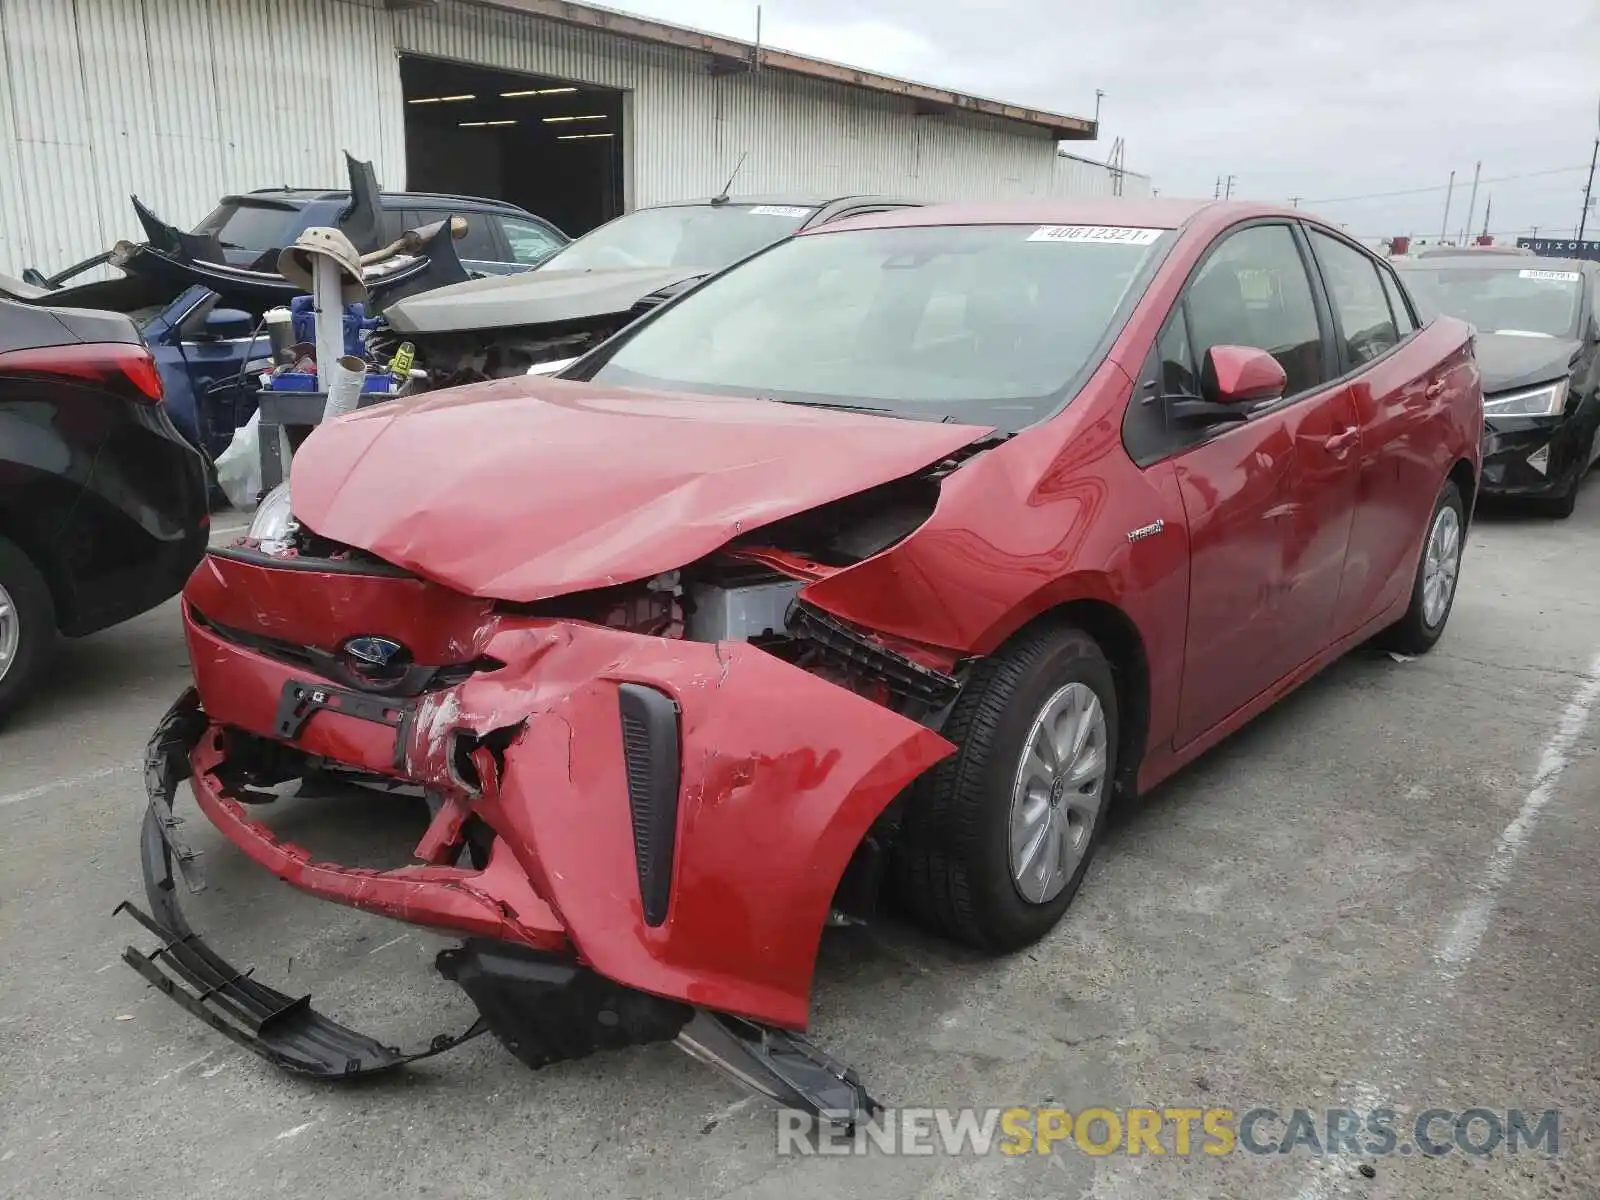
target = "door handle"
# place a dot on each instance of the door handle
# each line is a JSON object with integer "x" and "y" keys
{"x": 1340, "y": 442}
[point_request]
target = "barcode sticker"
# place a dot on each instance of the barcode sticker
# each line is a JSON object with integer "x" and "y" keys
{"x": 779, "y": 210}
{"x": 1552, "y": 276}
{"x": 1116, "y": 234}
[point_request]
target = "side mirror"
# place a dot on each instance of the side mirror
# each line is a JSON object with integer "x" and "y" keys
{"x": 223, "y": 324}
{"x": 1241, "y": 375}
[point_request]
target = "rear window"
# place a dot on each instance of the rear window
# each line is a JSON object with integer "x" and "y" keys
{"x": 252, "y": 226}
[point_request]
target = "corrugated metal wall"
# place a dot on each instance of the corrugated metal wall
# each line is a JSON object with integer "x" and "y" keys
{"x": 182, "y": 101}
{"x": 178, "y": 102}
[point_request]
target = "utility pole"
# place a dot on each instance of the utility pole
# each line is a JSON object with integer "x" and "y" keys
{"x": 1228, "y": 194}
{"x": 1472, "y": 204}
{"x": 1588, "y": 188}
{"x": 1217, "y": 193}
{"x": 1488, "y": 207}
{"x": 1295, "y": 200}
{"x": 1450, "y": 190}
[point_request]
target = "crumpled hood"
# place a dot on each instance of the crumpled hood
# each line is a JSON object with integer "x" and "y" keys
{"x": 538, "y": 297}
{"x": 526, "y": 488}
{"x": 1508, "y": 361}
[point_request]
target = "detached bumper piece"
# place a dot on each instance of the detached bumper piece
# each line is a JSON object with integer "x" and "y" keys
{"x": 284, "y": 1030}
{"x": 540, "y": 1004}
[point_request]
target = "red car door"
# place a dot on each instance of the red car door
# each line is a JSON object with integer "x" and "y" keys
{"x": 1269, "y": 500}
{"x": 1405, "y": 389}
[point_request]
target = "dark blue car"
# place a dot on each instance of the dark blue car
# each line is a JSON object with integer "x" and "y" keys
{"x": 501, "y": 238}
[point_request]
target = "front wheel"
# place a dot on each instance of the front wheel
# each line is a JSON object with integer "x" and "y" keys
{"x": 1433, "y": 592}
{"x": 996, "y": 840}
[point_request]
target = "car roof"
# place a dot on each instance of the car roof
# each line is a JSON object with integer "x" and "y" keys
{"x": 299, "y": 196}
{"x": 1116, "y": 211}
{"x": 1489, "y": 262}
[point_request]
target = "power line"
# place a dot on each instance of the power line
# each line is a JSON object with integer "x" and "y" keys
{"x": 1439, "y": 187}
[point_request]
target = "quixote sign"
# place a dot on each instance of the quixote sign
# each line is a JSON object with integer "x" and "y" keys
{"x": 1562, "y": 247}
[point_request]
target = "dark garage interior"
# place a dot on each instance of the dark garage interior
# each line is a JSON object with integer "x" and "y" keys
{"x": 552, "y": 146}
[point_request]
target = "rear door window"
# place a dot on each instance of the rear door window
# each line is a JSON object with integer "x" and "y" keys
{"x": 480, "y": 244}
{"x": 1366, "y": 324}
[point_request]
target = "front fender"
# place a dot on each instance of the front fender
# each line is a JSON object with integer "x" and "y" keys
{"x": 782, "y": 774}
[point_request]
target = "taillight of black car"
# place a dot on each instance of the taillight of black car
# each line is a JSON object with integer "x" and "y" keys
{"x": 123, "y": 368}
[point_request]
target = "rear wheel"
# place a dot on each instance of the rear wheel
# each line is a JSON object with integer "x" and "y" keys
{"x": 996, "y": 840}
{"x": 1433, "y": 592}
{"x": 27, "y": 626}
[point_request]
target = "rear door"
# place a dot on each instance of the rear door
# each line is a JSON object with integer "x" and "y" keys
{"x": 1269, "y": 500}
{"x": 1397, "y": 381}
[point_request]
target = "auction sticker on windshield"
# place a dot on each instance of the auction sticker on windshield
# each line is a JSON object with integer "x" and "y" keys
{"x": 778, "y": 210}
{"x": 1119, "y": 234}
{"x": 1552, "y": 276}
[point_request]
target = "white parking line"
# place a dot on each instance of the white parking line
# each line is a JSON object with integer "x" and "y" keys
{"x": 1461, "y": 943}
{"x": 226, "y": 529}
{"x": 71, "y": 781}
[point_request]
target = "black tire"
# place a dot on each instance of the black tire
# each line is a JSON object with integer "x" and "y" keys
{"x": 952, "y": 859}
{"x": 35, "y": 619}
{"x": 1412, "y": 633}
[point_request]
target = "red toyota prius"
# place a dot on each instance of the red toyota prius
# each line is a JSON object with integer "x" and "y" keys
{"x": 898, "y": 552}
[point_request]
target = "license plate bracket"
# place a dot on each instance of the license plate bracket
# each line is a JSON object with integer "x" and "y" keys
{"x": 299, "y": 702}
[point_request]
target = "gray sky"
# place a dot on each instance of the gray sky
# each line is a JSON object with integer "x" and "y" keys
{"x": 1323, "y": 99}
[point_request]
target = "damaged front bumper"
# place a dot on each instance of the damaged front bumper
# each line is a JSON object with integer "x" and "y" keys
{"x": 564, "y": 955}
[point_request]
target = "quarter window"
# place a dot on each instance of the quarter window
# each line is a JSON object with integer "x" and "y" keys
{"x": 1359, "y": 301}
{"x": 1404, "y": 322}
{"x": 1253, "y": 291}
{"x": 530, "y": 243}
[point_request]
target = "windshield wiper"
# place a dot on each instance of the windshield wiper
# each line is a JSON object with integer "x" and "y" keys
{"x": 885, "y": 412}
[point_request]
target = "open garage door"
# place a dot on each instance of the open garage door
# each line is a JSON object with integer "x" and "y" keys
{"x": 552, "y": 146}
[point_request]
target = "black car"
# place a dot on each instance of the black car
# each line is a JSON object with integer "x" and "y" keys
{"x": 1538, "y": 322}
{"x": 102, "y": 503}
{"x": 490, "y": 328}
{"x": 501, "y": 238}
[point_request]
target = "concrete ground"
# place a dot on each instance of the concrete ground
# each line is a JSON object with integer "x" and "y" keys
{"x": 1383, "y": 893}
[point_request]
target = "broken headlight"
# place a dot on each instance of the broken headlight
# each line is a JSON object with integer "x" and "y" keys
{"x": 273, "y": 525}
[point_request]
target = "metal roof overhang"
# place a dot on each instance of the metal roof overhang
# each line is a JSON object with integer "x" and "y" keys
{"x": 731, "y": 54}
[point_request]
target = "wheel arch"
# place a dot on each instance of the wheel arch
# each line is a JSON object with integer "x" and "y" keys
{"x": 1124, "y": 647}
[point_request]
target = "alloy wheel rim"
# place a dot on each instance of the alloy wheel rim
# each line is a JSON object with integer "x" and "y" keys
{"x": 10, "y": 632}
{"x": 1441, "y": 564}
{"x": 1057, "y": 793}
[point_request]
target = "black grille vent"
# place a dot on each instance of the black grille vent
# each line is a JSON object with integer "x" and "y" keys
{"x": 650, "y": 759}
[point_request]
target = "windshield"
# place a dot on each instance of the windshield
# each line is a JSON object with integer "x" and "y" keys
{"x": 979, "y": 324}
{"x": 710, "y": 236}
{"x": 1500, "y": 299}
{"x": 251, "y": 226}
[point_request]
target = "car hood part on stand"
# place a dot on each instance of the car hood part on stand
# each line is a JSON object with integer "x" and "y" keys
{"x": 526, "y": 488}
{"x": 540, "y": 297}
